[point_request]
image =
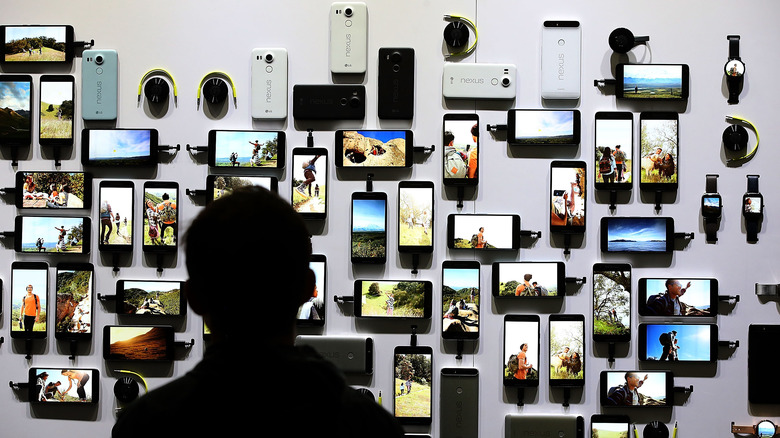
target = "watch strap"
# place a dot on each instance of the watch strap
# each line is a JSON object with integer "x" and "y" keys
{"x": 711, "y": 229}
{"x": 733, "y": 46}
{"x": 743, "y": 429}
{"x": 751, "y": 227}
{"x": 752, "y": 183}
{"x": 711, "y": 185}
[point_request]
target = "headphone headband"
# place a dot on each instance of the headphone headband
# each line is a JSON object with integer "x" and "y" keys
{"x": 222, "y": 75}
{"x": 746, "y": 122}
{"x": 154, "y": 72}
{"x": 469, "y": 23}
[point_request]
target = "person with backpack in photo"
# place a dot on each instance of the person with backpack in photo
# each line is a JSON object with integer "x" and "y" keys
{"x": 607, "y": 166}
{"x": 620, "y": 163}
{"x": 30, "y": 310}
{"x": 454, "y": 162}
{"x": 152, "y": 220}
{"x": 167, "y": 214}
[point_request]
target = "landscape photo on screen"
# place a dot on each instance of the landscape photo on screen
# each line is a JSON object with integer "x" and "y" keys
{"x": 652, "y": 81}
{"x": 658, "y": 144}
{"x": 413, "y": 385}
{"x": 224, "y": 185}
{"x": 636, "y": 234}
{"x": 483, "y": 231}
{"x": 74, "y": 301}
{"x": 246, "y": 149}
{"x": 53, "y": 190}
{"x": 611, "y": 303}
{"x": 15, "y": 109}
{"x": 56, "y": 112}
{"x": 614, "y": 138}
{"x": 152, "y": 298}
{"x": 415, "y": 215}
{"x": 400, "y": 299}
{"x": 678, "y": 342}
{"x": 116, "y": 147}
{"x": 527, "y": 279}
{"x": 649, "y": 387}
{"x": 678, "y": 297}
{"x": 161, "y": 216}
{"x": 35, "y": 43}
{"x": 369, "y": 236}
{"x": 460, "y": 300}
{"x": 544, "y": 127}
{"x": 566, "y": 350}
{"x": 52, "y": 234}
{"x": 138, "y": 343}
{"x": 374, "y": 148}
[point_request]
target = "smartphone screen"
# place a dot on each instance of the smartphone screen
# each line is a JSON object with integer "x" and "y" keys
{"x": 29, "y": 299}
{"x": 652, "y": 81}
{"x": 44, "y": 44}
{"x": 119, "y": 147}
{"x": 568, "y": 189}
{"x": 413, "y": 384}
{"x": 761, "y": 363}
{"x": 310, "y": 182}
{"x": 16, "y": 109}
{"x": 460, "y": 299}
{"x": 53, "y": 190}
{"x": 636, "y": 388}
{"x": 161, "y": 216}
{"x": 678, "y": 342}
{"x": 53, "y": 234}
{"x": 223, "y": 185}
{"x": 683, "y": 297}
{"x": 529, "y": 279}
{"x": 659, "y": 149}
{"x": 521, "y": 350}
{"x": 567, "y": 350}
{"x": 602, "y": 426}
{"x": 75, "y": 284}
{"x": 393, "y": 298}
{"x": 56, "y": 114}
{"x": 611, "y": 302}
{"x": 461, "y": 149}
{"x": 534, "y": 127}
{"x": 415, "y": 216}
{"x": 150, "y": 298}
{"x": 374, "y": 148}
{"x": 59, "y": 385}
{"x": 312, "y": 312}
{"x": 483, "y": 231}
{"x": 115, "y": 214}
{"x": 247, "y": 149}
{"x": 637, "y": 234}
{"x": 369, "y": 227}
{"x": 138, "y": 343}
{"x": 613, "y": 150}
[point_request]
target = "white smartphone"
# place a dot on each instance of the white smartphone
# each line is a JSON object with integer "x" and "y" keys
{"x": 269, "y": 83}
{"x": 478, "y": 81}
{"x": 561, "y": 60}
{"x": 348, "y": 37}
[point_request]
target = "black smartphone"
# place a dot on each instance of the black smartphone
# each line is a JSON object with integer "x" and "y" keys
{"x": 459, "y": 402}
{"x": 312, "y": 312}
{"x": 138, "y": 343}
{"x": 393, "y": 299}
{"x": 37, "y": 44}
{"x": 218, "y": 186}
{"x": 74, "y": 292}
{"x": 161, "y": 216}
{"x": 395, "y": 83}
{"x": 329, "y": 102}
{"x": 760, "y": 363}
{"x": 652, "y": 81}
{"x": 613, "y": 149}
{"x": 521, "y": 350}
{"x": 529, "y": 279}
{"x": 602, "y": 425}
{"x": 53, "y": 189}
{"x": 543, "y": 127}
{"x": 567, "y": 350}
{"x": 119, "y": 147}
{"x": 678, "y": 342}
{"x": 247, "y": 149}
{"x": 460, "y": 156}
{"x": 636, "y": 388}
{"x": 611, "y": 302}
{"x": 67, "y": 235}
{"x": 413, "y": 384}
{"x": 368, "y": 240}
{"x": 116, "y": 215}
{"x": 483, "y": 231}
{"x": 659, "y": 148}
{"x": 678, "y": 297}
{"x": 415, "y": 216}
{"x": 350, "y": 354}
{"x": 310, "y": 182}
{"x": 568, "y": 195}
{"x": 29, "y": 299}
{"x": 460, "y": 285}
{"x": 56, "y": 110}
{"x": 16, "y": 94}
{"x": 73, "y": 386}
{"x": 150, "y": 298}
{"x": 637, "y": 234}
{"x": 374, "y": 148}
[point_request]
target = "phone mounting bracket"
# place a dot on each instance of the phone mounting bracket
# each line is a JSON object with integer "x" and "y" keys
{"x": 167, "y": 148}
{"x": 461, "y": 192}
{"x": 310, "y": 139}
{"x": 611, "y": 353}
{"x": 688, "y": 389}
{"x": 566, "y": 396}
{"x": 74, "y": 344}
{"x": 578, "y": 280}
{"x": 28, "y": 342}
{"x": 191, "y": 149}
{"x": 195, "y": 192}
{"x": 185, "y": 344}
{"x": 612, "y": 200}
{"x": 413, "y": 337}
{"x": 370, "y": 182}
{"x": 729, "y": 344}
{"x": 768, "y": 290}
{"x": 415, "y": 263}
{"x": 424, "y": 149}
{"x": 687, "y": 236}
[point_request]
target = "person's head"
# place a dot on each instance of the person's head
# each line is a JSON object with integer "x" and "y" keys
{"x": 29, "y": 289}
{"x": 607, "y": 151}
{"x": 566, "y": 349}
{"x": 481, "y": 229}
{"x": 617, "y": 147}
{"x": 449, "y": 137}
{"x": 527, "y": 277}
{"x": 535, "y": 283}
{"x": 674, "y": 288}
{"x": 165, "y": 197}
{"x": 658, "y": 150}
{"x": 253, "y": 294}
{"x": 523, "y": 347}
{"x": 149, "y": 203}
{"x": 475, "y": 132}
{"x": 632, "y": 379}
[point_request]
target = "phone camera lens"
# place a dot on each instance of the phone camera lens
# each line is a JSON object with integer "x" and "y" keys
{"x": 269, "y": 57}
{"x": 354, "y": 102}
{"x": 99, "y": 60}
{"x": 506, "y": 82}
{"x": 348, "y": 12}
{"x": 343, "y": 101}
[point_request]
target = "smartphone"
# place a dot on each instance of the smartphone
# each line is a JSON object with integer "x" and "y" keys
{"x": 602, "y": 425}
{"x": 460, "y": 158}
{"x": 395, "y": 83}
{"x": 116, "y": 215}
{"x": 567, "y": 350}
{"x": 161, "y": 216}
{"x": 73, "y": 386}
{"x": 269, "y": 83}
{"x": 52, "y": 234}
{"x": 637, "y": 234}
{"x": 393, "y": 299}
{"x": 483, "y": 231}
{"x": 568, "y": 193}
{"x": 374, "y": 148}
{"x": 37, "y": 44}
{"x": 119, "y": 147}
{"x": 652, "y": 81}
{"x": 53, "y": 189}
{"x": 310, "y": 182}
{"x": 460, "y": 284}
{"x": 74, "y": 297}
{"x": 218, "y": 186}
{"x": 350, "y": 354}
{"x": 138, "y": 343}
{"x": 561, "y": 60}
{"x": 313, "y": 311}
{"x": 529, "y": 279}
{"x": 543, "y": 127}
{"x": 348, "y": 37}
{"x": 329, "y": 102}
{"x": 29, "y": 299}
{"x": 678, "y": 342}
{"x": 659, "y": 146}
{"x": 413, "y": 384}
{"x": 544, "y": 425}
{"x": 678, "y": 297}
{"x": 415, "y": 217}
{"x": 99, "y": 84}
{"x": 150, "y": 298}
{"x": 761, "y": 338}
{"x": 613, "y": 150}
{"x": 368, "y": 240}
{"x": 56, "y": 110}
{"x": 247, "y": 149}
{"x": 521, "y": 350}
{"x": 16, "y": 93}
{"x": 459, "y": 402}
{"x": 636, "y": 388}
{"x": 611, "y": 302}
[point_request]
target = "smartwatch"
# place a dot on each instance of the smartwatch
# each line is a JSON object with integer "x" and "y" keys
{"x": 752, "y": 208}
{"x": 711, "y": 208}
{"x": 734, "y": 70}
{"x": 764, "y": 429}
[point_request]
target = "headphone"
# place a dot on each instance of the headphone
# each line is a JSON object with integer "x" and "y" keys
{"x": 735, "y": 137}
{"x": 126, "y": 389}
{"x": 621, "y": 40}
{"x": 157, "y": 90}
{"x": 456, "y": 35}
{"x": 215, "y": 90}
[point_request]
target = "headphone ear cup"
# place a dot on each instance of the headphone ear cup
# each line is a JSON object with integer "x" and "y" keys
{"x": 735, "y": 138}
{"x": 215, "y": 90}
{"x": 621, "y": 40}
{"x": 456, "y": 34}
{"x": 156, "y": 90}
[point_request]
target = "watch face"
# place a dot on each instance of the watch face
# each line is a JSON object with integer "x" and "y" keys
{"x": 752, "y": 204}
{"x": 735, "y": 68}
{"x": 765, "y": 429}
{"x": 711, "y": 205}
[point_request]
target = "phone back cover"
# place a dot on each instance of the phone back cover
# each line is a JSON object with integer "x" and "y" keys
{"x": 459, "y": 404}
{"x": 562, "y": 426}
{"x": 99, "y": 85}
